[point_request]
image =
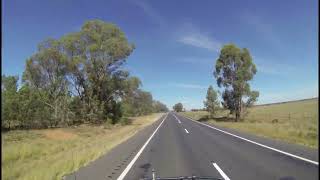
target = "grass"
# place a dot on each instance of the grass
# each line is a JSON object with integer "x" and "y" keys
{"x": 52, "y": 153}
{"x": 293, "y": 122}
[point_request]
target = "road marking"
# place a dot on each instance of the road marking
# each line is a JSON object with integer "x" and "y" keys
{"x": 126, "y": 170}
{"x": 225, "y": 177}
{"x": 262, "y": 145}
{"x": 186, "y": 131}
{"x": 177, "y": 119}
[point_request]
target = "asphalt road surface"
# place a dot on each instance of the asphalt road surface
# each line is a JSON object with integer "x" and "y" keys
{"x": 178, "y": 146}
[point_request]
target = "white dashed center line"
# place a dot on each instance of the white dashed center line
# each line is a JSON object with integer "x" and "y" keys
{"x": 177, "y": 119}
{"x": 186, "y": 131}
{"x": 225, "y": 177}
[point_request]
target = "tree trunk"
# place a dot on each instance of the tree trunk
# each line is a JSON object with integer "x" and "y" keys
{"x": 237, "y": 115}
{"x": 238, "y": 109}
{"x": 55, "y": 113}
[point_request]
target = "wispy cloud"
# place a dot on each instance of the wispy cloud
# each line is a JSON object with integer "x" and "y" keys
{"x": 190, "y": 35}
{"x": 154, "y": 16}
{"x": 198, "y": 60}
{"x": 273, "y": 67}
{"x": 188, "y": 86}
{"x": 265, "y": 29}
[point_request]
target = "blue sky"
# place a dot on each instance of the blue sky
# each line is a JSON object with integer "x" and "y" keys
{"x": 177, "y": 42}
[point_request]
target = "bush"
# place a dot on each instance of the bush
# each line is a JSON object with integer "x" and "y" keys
{"x": 125, "y": 121}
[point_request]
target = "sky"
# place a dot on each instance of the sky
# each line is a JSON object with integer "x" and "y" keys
{"x": 177, "y": 42}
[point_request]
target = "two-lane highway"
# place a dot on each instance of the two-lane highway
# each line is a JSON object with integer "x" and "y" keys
{"x": 181, "y": 147}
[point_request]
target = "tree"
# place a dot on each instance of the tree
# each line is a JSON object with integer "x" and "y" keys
{"x": 178, "y": 107}
{"x": 9, "y": 83}
{"x": 46, "y": 74}
{"x": 95, "y": 56}
{"x": 143, "y": 102}
{"x": 32, "y": 112}
{"x": 159, "y": 107}
{"x": 86, "y": 64}
{"x": 234, "y": 68}
{"x": 138, "y": 102}
{"x": 23, "y": 108}
{"x": 9, "y": 100}
{"x": 211, "y": 102}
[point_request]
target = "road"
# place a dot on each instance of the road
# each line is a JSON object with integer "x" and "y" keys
{"x": 177, "y": 146}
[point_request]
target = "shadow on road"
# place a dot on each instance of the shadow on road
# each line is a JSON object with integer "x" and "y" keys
{"x": 145, "y": 167}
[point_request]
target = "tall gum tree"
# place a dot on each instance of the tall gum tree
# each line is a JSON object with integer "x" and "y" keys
{"x": 233, "y": 70}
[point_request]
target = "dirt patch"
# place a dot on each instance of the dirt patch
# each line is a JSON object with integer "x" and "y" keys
{"x": 58, "y": 134}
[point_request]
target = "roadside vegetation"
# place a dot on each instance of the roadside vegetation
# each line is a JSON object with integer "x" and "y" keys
{"x": 294, "y": 122}
{"x": 52, "y": 153}
{"x": 75, "y": 102}
{"x": 76, "y": 79}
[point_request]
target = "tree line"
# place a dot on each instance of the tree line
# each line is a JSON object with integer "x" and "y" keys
{"x": 78, "y": 78}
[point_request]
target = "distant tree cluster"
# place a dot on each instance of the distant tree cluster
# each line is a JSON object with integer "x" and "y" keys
{"x": 178, "y": 107}
{"x": 75, "y": 79}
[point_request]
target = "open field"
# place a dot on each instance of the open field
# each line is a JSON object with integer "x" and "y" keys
{"x": 51, "y": 153}
{"x": 294, "y": 122}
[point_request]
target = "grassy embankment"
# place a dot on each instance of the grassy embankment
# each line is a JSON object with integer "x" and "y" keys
{"x": 293, "y": 122}
{"x": 52, "y": 153}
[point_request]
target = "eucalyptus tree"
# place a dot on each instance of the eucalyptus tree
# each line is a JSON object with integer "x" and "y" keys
{"x": 9, "y": 100}
{"x": 45, "y": 73}
{"x": 95, "y": 56}
{"x": 233, "y": 70}
{"x": 178, "y": 107}
{"x": 211, "y": 103}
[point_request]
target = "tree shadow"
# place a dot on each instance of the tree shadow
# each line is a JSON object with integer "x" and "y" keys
{"x": 204, "y": 119}
{"x": 145, "y": 167}
{"x": 224, "y": 119}
{"x": 218, "y": 119}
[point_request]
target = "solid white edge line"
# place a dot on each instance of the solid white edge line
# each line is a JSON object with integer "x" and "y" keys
{"x": 186, "y": 131}
{"x": 262, "y": 145}
{"x": 225, "y": 177}
{"x": 126, "y": 170}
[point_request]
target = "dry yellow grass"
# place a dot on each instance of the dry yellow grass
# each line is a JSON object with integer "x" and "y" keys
{"x": 49, "y": 154}
{"x": 58, "y": 134}
{"x": 293, "y": 122}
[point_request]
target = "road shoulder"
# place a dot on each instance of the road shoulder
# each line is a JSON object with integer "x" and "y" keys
{"x": 299, "y": 150}
{"x": 110, "y": 165}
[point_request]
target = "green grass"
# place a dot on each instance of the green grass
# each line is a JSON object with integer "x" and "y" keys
{"x": 52, "y": 153}
{"x": 293, "y": 122}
